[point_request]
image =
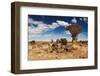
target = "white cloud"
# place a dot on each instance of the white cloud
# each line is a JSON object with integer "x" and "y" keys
{"x": 67, "y": 32}
{"x": 42, "y": 27}
{"x": 85, "y": 19}
{"x": 74, "y": 20}
{"x": 31, "y": 21}
{"x": 53, "y": 25}
{"x": 63, "y": 23}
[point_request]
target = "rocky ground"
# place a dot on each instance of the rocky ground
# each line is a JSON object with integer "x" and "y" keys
{"x": 42, "y": 51}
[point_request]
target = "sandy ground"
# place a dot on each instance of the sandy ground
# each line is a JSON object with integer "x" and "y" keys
{"x": 41, "y": 51}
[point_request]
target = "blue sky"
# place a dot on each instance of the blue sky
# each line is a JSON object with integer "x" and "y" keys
{"x": 45, "y": 28}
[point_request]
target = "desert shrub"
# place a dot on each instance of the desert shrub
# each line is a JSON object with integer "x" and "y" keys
{"x": 32, "y": 42}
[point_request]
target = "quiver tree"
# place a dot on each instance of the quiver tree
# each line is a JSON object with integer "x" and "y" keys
{"x": 74, "y": 29}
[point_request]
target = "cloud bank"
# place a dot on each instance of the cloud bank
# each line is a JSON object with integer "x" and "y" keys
{"x": 38, "y": 27}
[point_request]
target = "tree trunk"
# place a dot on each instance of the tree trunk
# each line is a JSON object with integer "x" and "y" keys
{"x": 74, "y": 42}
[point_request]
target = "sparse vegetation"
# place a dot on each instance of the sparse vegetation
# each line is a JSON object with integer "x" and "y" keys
{"x": 59, "y": 49}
